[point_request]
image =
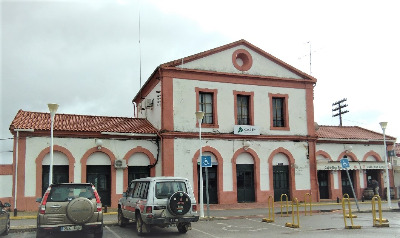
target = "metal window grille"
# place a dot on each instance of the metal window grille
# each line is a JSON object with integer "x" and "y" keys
{"x": 206, "y": 106}
{"x": 278, "y": 112}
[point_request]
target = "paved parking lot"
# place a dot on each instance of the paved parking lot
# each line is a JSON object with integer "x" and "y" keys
{"x": 321, "y": 224}
{"x": 325, "y": 221}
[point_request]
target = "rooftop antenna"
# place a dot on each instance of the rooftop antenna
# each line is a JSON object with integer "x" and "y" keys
{"x": 310, "y": 55}
{"x": 308, "y": 42}
{"x": 339, "y": 108}
{"x": 140, "y": 59}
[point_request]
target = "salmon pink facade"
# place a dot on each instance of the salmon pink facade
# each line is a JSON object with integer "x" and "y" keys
{"x": 258, "y": 131}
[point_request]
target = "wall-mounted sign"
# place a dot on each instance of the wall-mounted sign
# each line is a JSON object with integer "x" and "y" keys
{"x": 246, "y": 130}
{"x": 391, "y": 153}
{"x": 352, "y": 165}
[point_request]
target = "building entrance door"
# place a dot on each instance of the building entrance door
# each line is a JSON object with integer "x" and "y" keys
{"x": 323, "y": 176}
{"x": 100, "y": 177}
{"x": 245, "y": 182}
{"x": 281, "y": 181}
{"x": 137, "y": 172}
{"x": 346, "y": 186}
{"x": 212, "y": 184}
{"x": 60, "y": 175}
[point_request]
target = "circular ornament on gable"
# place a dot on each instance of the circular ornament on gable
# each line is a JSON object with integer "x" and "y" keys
{"x": 242, "y": 60}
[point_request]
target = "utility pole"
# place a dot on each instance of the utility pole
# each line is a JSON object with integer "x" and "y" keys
{"x": 339, "y": 107}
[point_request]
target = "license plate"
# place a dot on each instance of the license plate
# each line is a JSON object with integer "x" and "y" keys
{"x": 173, "y": 219}
{"x": 71, "y": 228}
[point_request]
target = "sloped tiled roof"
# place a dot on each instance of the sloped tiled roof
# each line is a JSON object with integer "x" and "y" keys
{"x": 349, "y": 133}
{"x": 81, "y": 123}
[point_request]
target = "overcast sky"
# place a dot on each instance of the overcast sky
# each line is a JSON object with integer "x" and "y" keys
{"x": 85, "y": 55}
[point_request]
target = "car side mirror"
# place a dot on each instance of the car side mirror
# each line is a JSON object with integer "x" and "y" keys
{"x": 39, "y": 200}
{"x": 124, "y": 194}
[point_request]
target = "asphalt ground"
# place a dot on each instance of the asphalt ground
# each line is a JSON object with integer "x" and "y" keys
{"x": 26, "y": 221}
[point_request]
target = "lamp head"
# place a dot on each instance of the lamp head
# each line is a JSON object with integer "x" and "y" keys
{"x": 383, "y": 125}
{"x": 246, "y": 144}
{"x": 199, "y": 115}
{"x": 99, "y": 143}
{"x": 53, "y": 107}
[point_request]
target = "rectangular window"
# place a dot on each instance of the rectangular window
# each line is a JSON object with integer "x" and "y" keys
{"x": 243, "y": 110}
{"x": 165, "y": 189}
{"x": 278, "y": 112}
{"x": 206, "y": 101}
{"x": 206, "y": 106}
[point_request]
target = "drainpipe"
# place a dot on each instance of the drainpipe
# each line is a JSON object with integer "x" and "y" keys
{"x": 16, "y": 168}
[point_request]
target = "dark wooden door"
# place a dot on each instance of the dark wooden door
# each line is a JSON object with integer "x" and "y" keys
{"x": 346, "y": 186}
{"x": 323, "y": 184}
{"x": 100, "y": 177}
{"x": 245, "y": 183}
{"x": 60, "y": 175}
{"x": 212, "y": 184}
{"x": 137, "y": 172}
{"x": 281, "y": 181}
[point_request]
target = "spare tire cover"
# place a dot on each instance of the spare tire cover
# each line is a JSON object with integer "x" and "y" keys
{"x": 179, "y": 203}
{"x": 80, "y": 210}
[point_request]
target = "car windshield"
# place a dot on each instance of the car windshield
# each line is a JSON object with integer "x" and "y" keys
{"x": 60, "y": 193}
{"x": 165, "y": 189}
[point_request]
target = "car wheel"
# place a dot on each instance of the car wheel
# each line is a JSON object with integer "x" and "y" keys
{"x": 179, "y": 203}
{"x": 122, "y": 221}
{"x": 7, "y": 230}
{"x": 40, "y": 233}
{"x": 139, "y": 225}
{"x": 99, "y": 233}
{"x": 183, "y": 227}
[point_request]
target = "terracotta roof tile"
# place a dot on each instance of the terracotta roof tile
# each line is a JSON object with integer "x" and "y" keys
{"x": 349, "y": 133}
{"x": 82, "y": 123}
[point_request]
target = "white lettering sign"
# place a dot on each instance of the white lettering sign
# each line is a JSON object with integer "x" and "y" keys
{"x": 246, "y": 130}
{"x": 335, "y": 165}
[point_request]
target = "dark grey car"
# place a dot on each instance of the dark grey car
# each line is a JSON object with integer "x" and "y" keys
{"x": 70, "y": 207}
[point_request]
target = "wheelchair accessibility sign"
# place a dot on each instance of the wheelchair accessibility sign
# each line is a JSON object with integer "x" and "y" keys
{"x": 206, "y": 161}
{"x": 345, "y": 163}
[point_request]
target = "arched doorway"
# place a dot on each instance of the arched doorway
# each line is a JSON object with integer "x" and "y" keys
{"x": 60, "y": 169}
{"x": 98, "y": 172}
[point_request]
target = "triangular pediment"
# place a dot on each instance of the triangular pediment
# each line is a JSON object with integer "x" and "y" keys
{"x": 240, "y": 57}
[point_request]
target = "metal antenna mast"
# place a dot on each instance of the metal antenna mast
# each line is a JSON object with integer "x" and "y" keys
{"x": 310, "y": 56}
{"x": 339, "y": 108}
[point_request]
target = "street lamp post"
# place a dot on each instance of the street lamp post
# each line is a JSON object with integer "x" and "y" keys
{"x": 53, "y": 109}
{"x": 199, "y": 117}
{"x": 383, "y": 126}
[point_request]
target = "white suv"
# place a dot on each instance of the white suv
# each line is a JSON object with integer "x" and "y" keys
{"x": 158, "y": 201}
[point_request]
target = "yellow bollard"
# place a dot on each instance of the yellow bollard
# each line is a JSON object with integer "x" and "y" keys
{"x": 346, "y": 199}
{"x": 382, "y": 222}
{"x": 348, "y": 215}
{"x": 293, "y": 225}
{"x": 271, "y": 215}
{"x": 305, "y": 203}
{"x": 287, "y": 205}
